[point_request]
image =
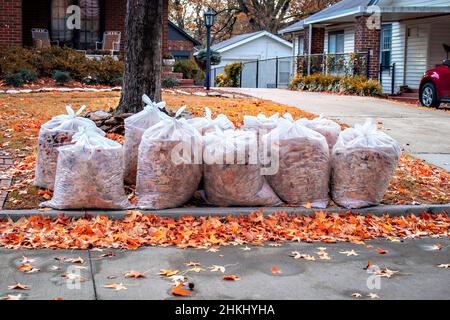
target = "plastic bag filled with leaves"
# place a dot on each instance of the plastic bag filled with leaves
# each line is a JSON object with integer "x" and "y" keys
{"x": 135, "y": 127}
{"x": 208, "y": 124}
{"x": 232, "y": 174}
{"x": 328, "y": 128}
{"x": 53, "y": 134}
{"x": 363, "y": 163}
{"x": 169, "y": 165}
{"x": 302, "y": 173}
{"x": 261, "y": 123}
{"x": 89, "y": 174}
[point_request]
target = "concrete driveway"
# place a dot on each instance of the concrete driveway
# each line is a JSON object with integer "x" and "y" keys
{"x": 424, "y": 133}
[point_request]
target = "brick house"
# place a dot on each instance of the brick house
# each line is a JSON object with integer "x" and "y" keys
{"x": 403, "y": 38}
{"x": 18, "y": 17}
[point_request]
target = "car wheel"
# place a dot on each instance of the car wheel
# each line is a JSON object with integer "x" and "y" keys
{"x": 428, "y": 96}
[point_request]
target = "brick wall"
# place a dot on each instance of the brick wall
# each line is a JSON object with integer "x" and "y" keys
{"x": 365, "y": 39}
{"x": 11, "y": 22}
{"x": 180, "y": 45}
{"x": 165, "y": 35}
{"x": 317, "y": 40}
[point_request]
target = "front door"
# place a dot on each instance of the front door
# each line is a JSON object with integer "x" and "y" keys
{"x": 416, "y": 54}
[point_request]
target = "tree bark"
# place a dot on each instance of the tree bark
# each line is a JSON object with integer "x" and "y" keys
{"x": 144, "y": 24}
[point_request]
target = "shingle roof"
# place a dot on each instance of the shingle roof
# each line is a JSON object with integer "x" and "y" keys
{"x": 339, "y": 7}
{"x": 234, "y": 40}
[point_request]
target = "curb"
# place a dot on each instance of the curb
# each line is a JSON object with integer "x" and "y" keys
{"x": 393, "y": 210}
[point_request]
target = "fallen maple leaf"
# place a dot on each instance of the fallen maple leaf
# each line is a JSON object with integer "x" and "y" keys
{"x": 134, "y": 274}
{"x": 246, "y": 248}
{"x": 19, "y": 286}
{"x": 75, "y": 260}
{"x": 192, "y": 264}
{"x": 349, "y": 253}
{"x": 444, "y": 266}
{"x": 73, "y": 276}
{"x": 115, "y": 286}
{"x": 196, "y": 269}
{"x": 275, "y": 270}
{"x": 298, "y": 255}
{"x": 373, "y": 296}
{"x": 26, "y": 260}
{"x": 215, "y": 268}
{"x": 387, "y": 273}
{"x": 27, "y": 268}
{"x": 179, "y": 291}
{"x": 231, "y": 278}
{"x": 168, "y": 272}
{"x": 381, "y": 251}
{"x": 12, "y": 297}
{"x": 356, "y": 295}
{"x": 213, "y": 249}
{"x": 369, "y": 265}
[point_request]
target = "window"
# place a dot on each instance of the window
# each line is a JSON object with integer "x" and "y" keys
{"x": 386, "y": 46}
{"x": 336, "y": 41}
{"x": 284, "y": 71}
{"x": 301, "y": 45}
{"x": 89, "y": 33}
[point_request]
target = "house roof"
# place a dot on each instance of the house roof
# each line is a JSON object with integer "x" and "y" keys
{"x": 244, "y": 38}
{"x": 185, "y": 34}
{"x": 345, "y": 10}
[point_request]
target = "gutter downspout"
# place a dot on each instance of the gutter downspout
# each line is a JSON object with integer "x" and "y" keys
{"x": 309, "y": 48}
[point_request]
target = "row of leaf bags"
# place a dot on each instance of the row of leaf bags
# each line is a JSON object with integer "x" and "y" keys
{"x": 304, "y": 161}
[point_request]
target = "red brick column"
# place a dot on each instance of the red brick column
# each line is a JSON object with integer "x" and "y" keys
{"x": 115, "y": 14}
{"x": 10, "y": 22}
{"x": 366, "y": 39}
{"x": 317, "y": 40}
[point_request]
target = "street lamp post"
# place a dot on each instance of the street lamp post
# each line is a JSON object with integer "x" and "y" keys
{"x": 209, "y": 17}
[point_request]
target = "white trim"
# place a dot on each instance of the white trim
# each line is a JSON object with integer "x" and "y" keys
{"x": 254, "y": 37}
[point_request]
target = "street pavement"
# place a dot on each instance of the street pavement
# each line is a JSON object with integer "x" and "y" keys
{"x": 418, "y": 276}
{"x": 423, "y": 133}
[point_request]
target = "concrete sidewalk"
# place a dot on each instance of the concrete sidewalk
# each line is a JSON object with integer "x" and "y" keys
{"x": 418, "y": 276}
{"x": 422, "y": 132}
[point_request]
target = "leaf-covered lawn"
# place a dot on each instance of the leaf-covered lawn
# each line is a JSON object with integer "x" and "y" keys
{"x": 22, "y": 115}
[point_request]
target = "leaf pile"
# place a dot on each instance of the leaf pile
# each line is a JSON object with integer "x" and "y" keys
{"x": 138, "y": 229}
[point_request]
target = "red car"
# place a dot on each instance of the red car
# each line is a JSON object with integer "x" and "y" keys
{"x": 435, "y": 86}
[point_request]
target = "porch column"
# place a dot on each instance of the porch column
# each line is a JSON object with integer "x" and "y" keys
{"x": 165, "y": 35}
{"x": 11, "y": 22}
{"x": 368, "y": 38}
{"x": 316, "y": 42}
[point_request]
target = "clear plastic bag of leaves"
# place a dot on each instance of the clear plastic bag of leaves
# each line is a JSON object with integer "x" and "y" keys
{"x": 261, "y": 123}
{"x": 363, "y": 162}
{"x": 169, "y": 165}
{"x": 89, "y": 174}
{"x": 135, "y": 127}
{"x": 326, "y": 127}
{"x": 53, "y": 134}
{"x": 302, "y": 173}
{"x": 232, "y": 173}
{"x": 208, "y": 124}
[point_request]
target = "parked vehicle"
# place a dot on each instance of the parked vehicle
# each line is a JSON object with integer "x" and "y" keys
{"x": 435, "y": 86}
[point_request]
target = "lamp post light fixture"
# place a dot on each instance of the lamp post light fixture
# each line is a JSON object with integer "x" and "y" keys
{"x": 209, "y": 16}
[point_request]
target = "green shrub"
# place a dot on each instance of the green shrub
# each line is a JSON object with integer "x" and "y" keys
{"x": 28, "y": 76}
{"x": 169, "y": 83}
{"x": 167, "y": 56}
{"x": 231, "y": 77}
{"x": 190, "y": 70}
{"x": 61, "y": 76}
{"x": 357, "y": 85}
{"x": 201, "y": 57}
{"x": 14, "y": 80}
{"x": 46, "y": 61}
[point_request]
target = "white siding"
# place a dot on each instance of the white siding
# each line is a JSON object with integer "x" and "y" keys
{"x": 349, "y": 37}
{"x": 397, "y": 57}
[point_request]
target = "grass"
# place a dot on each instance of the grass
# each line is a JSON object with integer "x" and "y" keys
{"x": 21, "y": 116}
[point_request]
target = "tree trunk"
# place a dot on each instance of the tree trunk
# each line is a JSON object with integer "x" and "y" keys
{"x": 144, "y": 23}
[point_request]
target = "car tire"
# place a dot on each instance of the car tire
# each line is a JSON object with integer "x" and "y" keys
{"x": 428, "y": 96}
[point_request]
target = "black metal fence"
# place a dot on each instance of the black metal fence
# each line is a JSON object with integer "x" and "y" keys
{"x": 278, "y": 72}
